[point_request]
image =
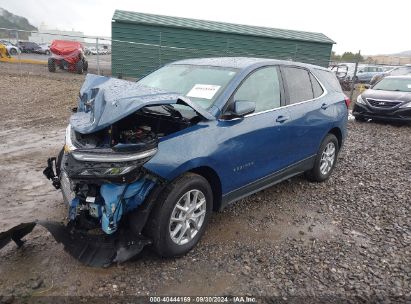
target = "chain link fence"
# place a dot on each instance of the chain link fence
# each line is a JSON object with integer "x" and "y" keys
{"x": 28, "y": 53}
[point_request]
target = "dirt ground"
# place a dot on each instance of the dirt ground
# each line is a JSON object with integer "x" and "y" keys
{"x": 347, "y": 238}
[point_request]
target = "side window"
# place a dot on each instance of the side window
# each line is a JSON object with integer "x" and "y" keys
{"x": 327, "y": 77}
{"x": 262, "y": 87}
{"x": 298, "y": 83}
{"x": 317, "y": 89}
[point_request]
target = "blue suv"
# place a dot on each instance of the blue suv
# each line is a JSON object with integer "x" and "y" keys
{"x": 147, "y": 162}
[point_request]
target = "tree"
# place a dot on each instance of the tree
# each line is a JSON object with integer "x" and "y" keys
{"x": 351, "y": 57}
{"x": 335, "y": 57}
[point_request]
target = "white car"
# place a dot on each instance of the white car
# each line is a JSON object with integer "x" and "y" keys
{"x": 11, "y": 48}
{"x": 93, "y": 51}
{"x": 44, "y": 49}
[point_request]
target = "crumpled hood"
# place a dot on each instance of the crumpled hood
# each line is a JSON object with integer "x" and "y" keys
{"x": 104, "y": 101}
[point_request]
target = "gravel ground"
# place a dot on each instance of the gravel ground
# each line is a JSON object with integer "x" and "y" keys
{"x": 348, "y": 238}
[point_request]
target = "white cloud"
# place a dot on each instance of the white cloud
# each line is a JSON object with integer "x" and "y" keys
{"x": 370, "y": 26}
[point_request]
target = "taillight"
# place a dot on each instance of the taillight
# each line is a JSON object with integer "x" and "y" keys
{"x": 347, "y": 101}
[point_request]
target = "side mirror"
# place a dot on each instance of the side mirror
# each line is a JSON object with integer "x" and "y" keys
{"x": 242, "y": 108}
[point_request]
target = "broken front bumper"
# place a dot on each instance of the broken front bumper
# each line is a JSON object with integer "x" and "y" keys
{"x": 92, "y": 250}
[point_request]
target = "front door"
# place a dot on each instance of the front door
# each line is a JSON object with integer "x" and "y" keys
{"x": 251, "y": 148}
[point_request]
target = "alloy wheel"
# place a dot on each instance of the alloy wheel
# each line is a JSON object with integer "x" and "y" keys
{"x": 187, "y": 217}
{"x": 327, "y": 158}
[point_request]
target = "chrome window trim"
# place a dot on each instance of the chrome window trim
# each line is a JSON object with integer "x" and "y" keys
{"x": 297, "y": 103}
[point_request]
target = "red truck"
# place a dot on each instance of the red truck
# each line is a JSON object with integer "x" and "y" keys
{"x": 67, "y": 55}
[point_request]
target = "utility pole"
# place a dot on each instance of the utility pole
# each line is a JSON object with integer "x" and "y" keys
{"x": 355, "y": 75}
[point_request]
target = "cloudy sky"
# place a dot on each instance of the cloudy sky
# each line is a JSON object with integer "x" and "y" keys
{"x": 374, "y": 27}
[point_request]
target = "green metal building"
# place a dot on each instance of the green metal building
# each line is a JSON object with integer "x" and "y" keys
{"x": 143, "y": 42}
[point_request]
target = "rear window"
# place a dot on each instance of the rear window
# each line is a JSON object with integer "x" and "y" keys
{"x": 317, "y": 89}
{"x": 298, "y": 83}
{"x": 330, "y": 79}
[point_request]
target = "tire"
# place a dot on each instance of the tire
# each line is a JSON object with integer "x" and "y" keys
{"x": 318, "y": 173}
{"x": 79, "y": 67}
{"x": 13, "y": 51}
{"x": 47, "y": 52}
{"x": 160, "y": 226}
{"x": 51, "y": 65}
{"x": 85, "y": 65}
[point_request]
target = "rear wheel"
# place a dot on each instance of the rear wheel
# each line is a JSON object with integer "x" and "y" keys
{"x": 325, "y": 160}
{"x": 51, "y": 65}
{"x": 85, "y": 65}
{"x": 79, "y": 67}
{"x": 181, "y": 215}
{"x": 13, "y": 51}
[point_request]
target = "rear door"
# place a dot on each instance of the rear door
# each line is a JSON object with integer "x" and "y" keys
{"x": 308, "y": 112}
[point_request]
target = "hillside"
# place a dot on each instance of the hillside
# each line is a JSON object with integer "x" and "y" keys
{"x": 404, "y": 54}
{"x": 11, "y": 21}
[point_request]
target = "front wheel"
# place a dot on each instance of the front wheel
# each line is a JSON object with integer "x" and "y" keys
{"x": 13, "y": 51}
{"x": 51, "y": 64}
{"x": 181, "y": 215}
{"x": 325, "y": 160}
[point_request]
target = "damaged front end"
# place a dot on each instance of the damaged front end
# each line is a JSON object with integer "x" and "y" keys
{"x": 100, "y": 171}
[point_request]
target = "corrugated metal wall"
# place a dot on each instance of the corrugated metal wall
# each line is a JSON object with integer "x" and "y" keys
{"x": 147, "y": 47}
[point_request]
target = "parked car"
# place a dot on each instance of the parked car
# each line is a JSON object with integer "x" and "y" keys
{"x": 67, "y": 55}
{"x": 44, "y": 48}
{"x": 3, "y": 51}
{"x": 341, "y": 71}
{"x": 366, "y": 73}
{"x": 398, "y": 71}
{"x": 11, "y": 48}
{"x": 28, "y": 46}
{"x": 147, "y": 162}
{"x": 389, "y": 99}
{"x": 92, "y": 50}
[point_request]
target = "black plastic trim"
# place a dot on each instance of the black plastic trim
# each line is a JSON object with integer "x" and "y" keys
{"x": 267, "y": 181}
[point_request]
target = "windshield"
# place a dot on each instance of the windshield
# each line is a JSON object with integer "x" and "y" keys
{"x": 202, "y": 84}
{"x": 401, "y": 71}
{"x": 394, "y": 84}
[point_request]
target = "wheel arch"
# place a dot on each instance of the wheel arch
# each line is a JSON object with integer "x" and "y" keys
{"x": 214, "y": 180}
{"x": 337, "y": 133}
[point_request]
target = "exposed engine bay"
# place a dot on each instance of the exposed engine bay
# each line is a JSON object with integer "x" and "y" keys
{"x": 101, "y": 175}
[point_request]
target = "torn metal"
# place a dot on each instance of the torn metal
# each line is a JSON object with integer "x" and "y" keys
{"x": 96, "y": 250}
{"x": 104, "y": 101}
{"x": 100, "y": 170}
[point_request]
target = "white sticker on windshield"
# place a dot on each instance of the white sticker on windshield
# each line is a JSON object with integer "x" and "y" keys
{"x": 206, "y": 91}
{"x": 409, "y": 86}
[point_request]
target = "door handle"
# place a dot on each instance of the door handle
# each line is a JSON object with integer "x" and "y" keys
{"x": 282, "y": 118}
{"x": 324, "y": 106}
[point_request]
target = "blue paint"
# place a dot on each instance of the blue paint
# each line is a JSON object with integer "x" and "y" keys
{"x": 73, "y": 208}
{"x": 258, "y": 143}
{"x": 120, "y": 199}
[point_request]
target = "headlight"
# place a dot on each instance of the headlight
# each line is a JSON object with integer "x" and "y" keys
{"x": 69, "y": 147}
{"x": 107, "y": 171}
{"x": 360, "y": 100}
{"x": 407, "y": 105}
